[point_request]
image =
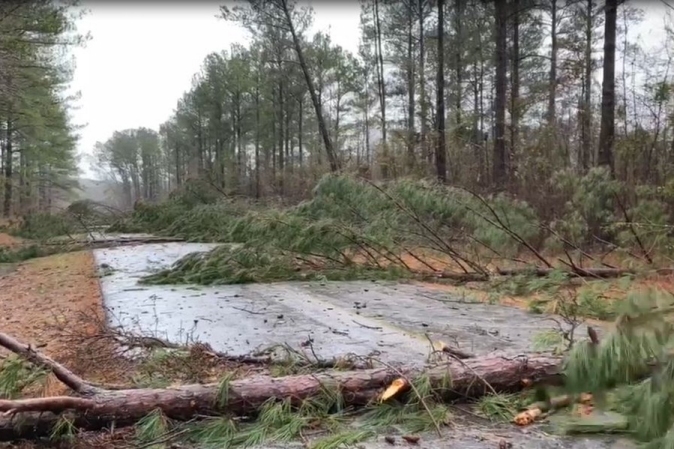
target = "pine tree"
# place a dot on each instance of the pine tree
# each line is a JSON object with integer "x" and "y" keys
{"x": 631, "y": 369}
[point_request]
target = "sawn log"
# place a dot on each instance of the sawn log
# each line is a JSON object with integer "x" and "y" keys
{"x": 100, "y": 408}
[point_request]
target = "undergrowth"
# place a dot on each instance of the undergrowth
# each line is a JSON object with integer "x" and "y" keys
{"x": 33, "y": 251}
{"x": 17, "y": 376}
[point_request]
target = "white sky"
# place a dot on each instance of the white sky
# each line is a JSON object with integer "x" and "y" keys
{"x": 142, "y": 57}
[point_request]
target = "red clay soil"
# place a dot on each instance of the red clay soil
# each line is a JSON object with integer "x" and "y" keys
{"x": 7, "y": 241}
{"x": 51, "y": 303}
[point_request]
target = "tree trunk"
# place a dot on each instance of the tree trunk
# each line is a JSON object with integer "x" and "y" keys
{"x": 515, "y": 86}
{"x": 97, "y": 408}
{"x": 7, "y": 204}
{"x": 459, "y": 66}
{"x": 257, "y": 136}
{"x": 281, "y": 158}
{"x": 289, "y": 138}
{"x": 422, "y": 85}
{"x": 178, "y": 166}
{"x": 368, "y": 149}
{"x": 24, "y": 185}
{"x": 381, "y": 83}
{"x": 499, "y": 175}
{"x": 300, "y": 124}
{"x": 586, "y": 130}
{"x": 323, "y": 128}
{"x": 607, "y": 131}
{"x": 441, "y": 147}
{"x": 411, "y": 134}
{"x": 240, "y": 165}
{"x": 338, "y": 107}
{"x": 552, "y": 78}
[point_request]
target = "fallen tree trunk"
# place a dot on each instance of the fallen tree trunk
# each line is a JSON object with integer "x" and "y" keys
{"x": 603, "y": 273}
{"x": 103, "y": 407}
{"x": 122, "y": 241}
{"x": 463, "y": 277}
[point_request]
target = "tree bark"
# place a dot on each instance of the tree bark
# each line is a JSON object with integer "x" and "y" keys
{"x": 587, "y": 93}
{"x": 603, "y": 273}
{"x": 552, "y": 78}
{"x": 257, "y": 134}
{"x": 281, "y": 138}
{"x": 426, "y": 154}
{"x": 323, "y": 128}
{"x": 411, "y": 140}
{"x": 515, "y": 86}
{"x": 499, "y": 160}
{"x": 100, "y": 408}
{"x": 607, "y": 130}
{"x": 458, "y": 16}
{"x": 441, "y": 147}
{"x": 599, "y": 272}
{"x": 7, "y": 204}
{"x": 381, "y": 84}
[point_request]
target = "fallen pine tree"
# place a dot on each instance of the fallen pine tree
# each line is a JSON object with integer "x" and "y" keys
{"x": 590, "y": 272}
{"x": 597, "y": 272}
{"x": 94, "y": 407}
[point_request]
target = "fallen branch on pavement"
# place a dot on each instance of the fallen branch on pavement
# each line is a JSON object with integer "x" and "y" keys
{"x": 127, "y": 341}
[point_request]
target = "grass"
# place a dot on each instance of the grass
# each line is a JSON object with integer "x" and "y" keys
{"x": 152, "y": 428}
{"x": 33, "y": 251}
{"x": 330, "y": 424}
{"x": 64, "y": 430}
{"x": 279, "y": 422}
{"x": 500, "y": 407}
{"x": 17, "y": 375}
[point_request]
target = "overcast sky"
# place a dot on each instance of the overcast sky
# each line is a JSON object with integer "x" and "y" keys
{"x": 142, "y": 57}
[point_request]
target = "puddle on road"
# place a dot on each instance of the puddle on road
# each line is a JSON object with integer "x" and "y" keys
{"x": 392, "y": 320}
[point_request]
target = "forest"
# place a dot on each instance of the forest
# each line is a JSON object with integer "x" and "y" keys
{"x": 38, "y": 157}
{"x": 488, "y": 98}
{"x": 519, "y": 153}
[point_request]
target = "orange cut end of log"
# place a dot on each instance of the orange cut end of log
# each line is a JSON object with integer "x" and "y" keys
{"x": 527, "y": 417}
{"x": 396, "y": 387}
{"x": 585, "y": 398}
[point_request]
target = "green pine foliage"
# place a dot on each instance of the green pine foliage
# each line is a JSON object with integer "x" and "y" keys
{"x": 335, "y": 426}
{"x": 34, "y": 106}
{"x": 631, "y": 369}
{"x": 349, "y": 229}
{"x": 350, "y": 225}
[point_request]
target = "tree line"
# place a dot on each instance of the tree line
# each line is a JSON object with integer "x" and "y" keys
{"x": 37, "y": 139}
{"x": 489, "y": 95}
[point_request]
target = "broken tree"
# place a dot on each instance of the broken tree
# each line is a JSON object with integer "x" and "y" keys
{"x": 95, "y": 407}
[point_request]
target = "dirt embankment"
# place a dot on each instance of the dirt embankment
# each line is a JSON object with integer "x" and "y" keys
{"x": 53, "y": 303}
{"x": 7, "y": 241}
